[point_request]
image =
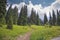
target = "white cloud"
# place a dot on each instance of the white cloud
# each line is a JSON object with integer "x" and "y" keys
{"x": 58, "y": 0}
{"x": 20, "y": 5}
{"x": 54, "y": 6}
{"x": 38, "y": 7}
{"x": 13, "y": 6}
{"x": 7, "y": 6}
{"x": 29, "y": 8}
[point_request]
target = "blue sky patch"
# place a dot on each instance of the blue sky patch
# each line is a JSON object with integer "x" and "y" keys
{"x": 42, "y": 2}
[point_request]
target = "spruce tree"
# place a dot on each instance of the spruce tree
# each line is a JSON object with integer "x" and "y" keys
{"x": 38, "y": 20}
{"x": 25, "y": 16}
{"x": 53, "y": 18}
{"x": 58, "y": 17}
{"x": 9, "y": 18}
{"x": 50, "y": 19}
{"x": 2, "y": 12}
{"x": 45, "y": 19}
{"x": 33, "y": 17}
{"x": 29, "y": 23}
{"x": 15, "y": 15}
{"x": 22, "y": 20}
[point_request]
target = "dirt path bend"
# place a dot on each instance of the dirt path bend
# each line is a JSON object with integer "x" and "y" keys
{"x": 56, "y": 38}
{"x": 25, "y": 37}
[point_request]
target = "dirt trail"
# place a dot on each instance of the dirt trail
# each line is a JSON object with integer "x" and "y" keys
{"x": 56, "y": 38}
{"x": 25, "y": 37}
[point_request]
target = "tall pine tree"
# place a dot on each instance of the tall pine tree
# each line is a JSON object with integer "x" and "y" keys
{"x": 9, "y": 18}
{"x": 33, "y": 17}
{"x": 22, "y": 20}
{"x": 2, "y": 12}
{"x": 15, "y": 15}
{"x": 58, "y": 17}
{"x": 45, "y": 19}
{"x": 53, "y": 18}
{"x": 50, "y": 19}
{"x": 38, "y": 20}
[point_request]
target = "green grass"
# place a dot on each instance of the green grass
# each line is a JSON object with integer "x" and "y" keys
{"x": 39, "y": 32}
{"x": 45, "y": 33}
{"x": 6, "y": 34}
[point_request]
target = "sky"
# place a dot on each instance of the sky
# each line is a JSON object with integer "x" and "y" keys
{"x": 40, "y": 6}
{"x": 43, "y": 2}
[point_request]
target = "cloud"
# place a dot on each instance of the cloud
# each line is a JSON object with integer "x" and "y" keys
{"x": 58, "y": 0}
{"x": 7, "y": 6}
{"x": 56, "y": 4}
{"x": 29, "y": 8}
{"x": 38, "y": 8}
{"x": 20, "y": 5}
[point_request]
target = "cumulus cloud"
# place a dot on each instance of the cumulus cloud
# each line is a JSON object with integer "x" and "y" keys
{"x": 58, "y": 0}
{"x": 20, "y": 5}
{"x": 7, "y": 6}
{"x": 29, "y": 8}
{"x": 54, "y": 6}
{"x": 38, "y": 8}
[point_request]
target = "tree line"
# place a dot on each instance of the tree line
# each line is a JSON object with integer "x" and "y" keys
{"x": 54, "y": 19}
{"x": 11, "y": 17}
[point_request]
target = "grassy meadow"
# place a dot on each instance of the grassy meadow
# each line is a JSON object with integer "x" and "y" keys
{"x": 39, "y": 32}
{"x": 45, "y": 33}
{"x": 6, "y": 34}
